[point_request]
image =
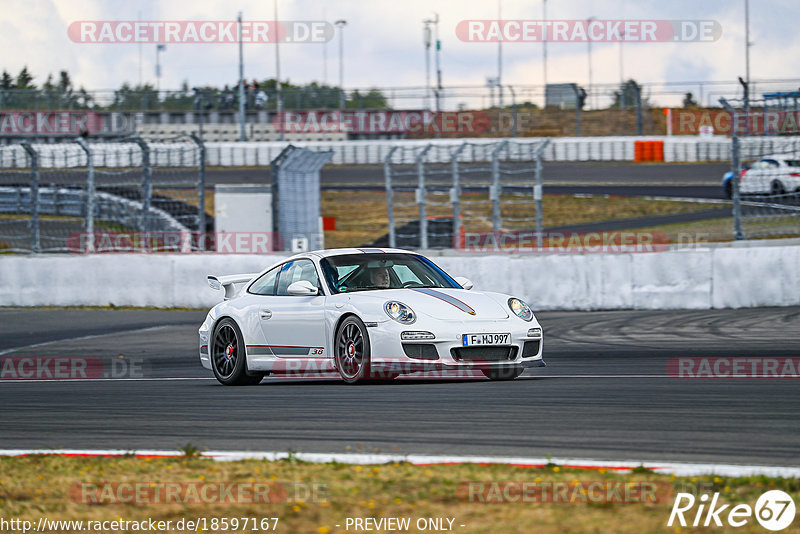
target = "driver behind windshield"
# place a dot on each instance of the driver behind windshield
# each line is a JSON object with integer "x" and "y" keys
{"x": 380, "y": 278}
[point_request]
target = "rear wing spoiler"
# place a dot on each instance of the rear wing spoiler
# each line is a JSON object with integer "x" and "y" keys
{"x": 228, "y": 283}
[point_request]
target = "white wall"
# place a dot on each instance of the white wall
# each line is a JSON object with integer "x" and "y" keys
{"x": 227, "y": 154}
{"x": 693, "y": 279}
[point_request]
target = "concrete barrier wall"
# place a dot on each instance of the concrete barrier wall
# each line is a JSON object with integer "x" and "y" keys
{"x": 692, "y": 279}
{"x": 233, "y": 154}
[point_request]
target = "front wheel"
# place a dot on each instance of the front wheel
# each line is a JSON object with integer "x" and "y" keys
{"x": 777, "y": 188}
{"x": 352, "y": 350}
{"x": 228, "y": 360}
{"x": 503, "y": 373}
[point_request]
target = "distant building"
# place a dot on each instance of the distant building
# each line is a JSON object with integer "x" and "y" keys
{"x": 560, "y": 95}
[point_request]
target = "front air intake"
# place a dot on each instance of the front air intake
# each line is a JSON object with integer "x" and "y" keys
{"x": 421, "y": 351}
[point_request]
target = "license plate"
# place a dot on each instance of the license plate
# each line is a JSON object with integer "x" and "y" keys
{"x": 468, "y": 340}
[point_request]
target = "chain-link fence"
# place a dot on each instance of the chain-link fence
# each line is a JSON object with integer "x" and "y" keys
{"x": 764, "y": 181}
{"x": 93, "y": 197}
{"x": 438, "y": 195}
{"x": 296, "y": 197}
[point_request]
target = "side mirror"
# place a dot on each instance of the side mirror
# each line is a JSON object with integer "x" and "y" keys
{"x": 302, "y": 288}
{"x": 466, "y": 283}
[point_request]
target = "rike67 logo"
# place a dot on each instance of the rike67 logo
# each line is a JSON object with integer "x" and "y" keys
{"x": 774, "y": 510}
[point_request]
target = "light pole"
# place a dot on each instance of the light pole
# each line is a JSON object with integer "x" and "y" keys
{"x": 278, "y": 95}
{"x": 341, "y": 24}
{"x": 513, "y": 111}
{"x": 621, "y": 66}
{"x": 621, "y": 79}
{"x": 747, "y": 45}
{"x": 438, "y": 64}
{"x": 159, "y": 48}
{"x": 589, "y": 42}
{"x": 491, "y": 83}
{"x": 747, "y": 42}
{"x": 544, "y": 49}
{"x": 139, "y": 18}
{"x": 426, "y": 40}
{"x": 499, "y": 58}
{"x": 324, "y": 56}
{"x": 242, "y": 136}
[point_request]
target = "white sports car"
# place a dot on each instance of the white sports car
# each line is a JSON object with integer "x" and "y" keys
{"x": 771, "y": 175}
{"x": 366, "y": 313}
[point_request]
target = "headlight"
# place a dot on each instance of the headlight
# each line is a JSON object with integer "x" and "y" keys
{"x": 399, "y": 312}
{"x": 520, "y": 309}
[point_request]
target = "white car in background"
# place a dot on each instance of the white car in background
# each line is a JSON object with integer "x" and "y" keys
{"x": 364, "y": 313}
{"x": 771, "y": 175}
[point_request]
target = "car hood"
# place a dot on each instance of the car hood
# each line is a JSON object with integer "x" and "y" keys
{"x": 445, "y": 304}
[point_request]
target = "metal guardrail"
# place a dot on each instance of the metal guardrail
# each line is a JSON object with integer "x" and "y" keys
{"x": 60, "y": 201}
{"x": 480, "y": 187}
{"x": 160, "y": 188}
{"x": 766, "y": 194}
{"x": 56, "y": 202}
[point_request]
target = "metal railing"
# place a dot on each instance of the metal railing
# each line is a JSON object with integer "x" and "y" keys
{"x": 764, "y": 181}
{"x": 76, "y": 200}
{"x": 483, "y": 188}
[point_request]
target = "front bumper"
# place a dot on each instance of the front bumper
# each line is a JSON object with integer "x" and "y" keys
{"x": 205, "y": 334}
{"x": 387, "y": 367}
{"x": 390, "y": 354}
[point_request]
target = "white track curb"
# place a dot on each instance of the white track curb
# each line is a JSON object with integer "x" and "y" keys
{"x": 669, "y": 468}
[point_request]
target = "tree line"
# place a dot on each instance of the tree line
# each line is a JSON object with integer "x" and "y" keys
{"x": 20, "y": 92}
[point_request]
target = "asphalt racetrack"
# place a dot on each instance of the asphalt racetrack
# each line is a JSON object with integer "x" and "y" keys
{"x": 693, "y": 180}
{"x": 605, "y": 394}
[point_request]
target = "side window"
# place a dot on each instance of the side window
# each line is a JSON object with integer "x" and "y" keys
{"x": 295, "y": 271}
{"x": 265, "y": 285}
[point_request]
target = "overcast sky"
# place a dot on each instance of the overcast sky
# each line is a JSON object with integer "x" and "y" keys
{"x": 383, "y": 43}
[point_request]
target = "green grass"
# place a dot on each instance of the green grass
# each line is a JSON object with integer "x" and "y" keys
{"x": 320, "y": 496}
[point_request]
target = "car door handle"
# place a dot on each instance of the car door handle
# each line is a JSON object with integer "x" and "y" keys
{"x": 265, "y": 314}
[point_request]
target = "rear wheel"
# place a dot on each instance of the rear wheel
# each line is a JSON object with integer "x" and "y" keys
{"x": 352, "y": 351}
{"x": 777, "y": 188}
{"x": 228, "y": 359}
{"x": 503, "y": 373}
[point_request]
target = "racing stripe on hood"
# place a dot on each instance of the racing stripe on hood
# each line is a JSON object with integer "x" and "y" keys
{"x": 447, "y": 298}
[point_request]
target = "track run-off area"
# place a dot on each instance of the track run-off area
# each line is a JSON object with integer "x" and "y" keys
{"x": 607, "y": 393}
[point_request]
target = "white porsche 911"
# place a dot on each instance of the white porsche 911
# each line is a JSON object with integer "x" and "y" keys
{"x": 366, "y": 313}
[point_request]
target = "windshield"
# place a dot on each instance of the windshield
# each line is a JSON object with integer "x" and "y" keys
{"x": 365, "y": 272}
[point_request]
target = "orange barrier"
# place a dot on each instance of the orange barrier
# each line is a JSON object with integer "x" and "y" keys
{"x": 648, "y": 151}
{"x": 638, "y": 150}
{"x": 658, "y": 153}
